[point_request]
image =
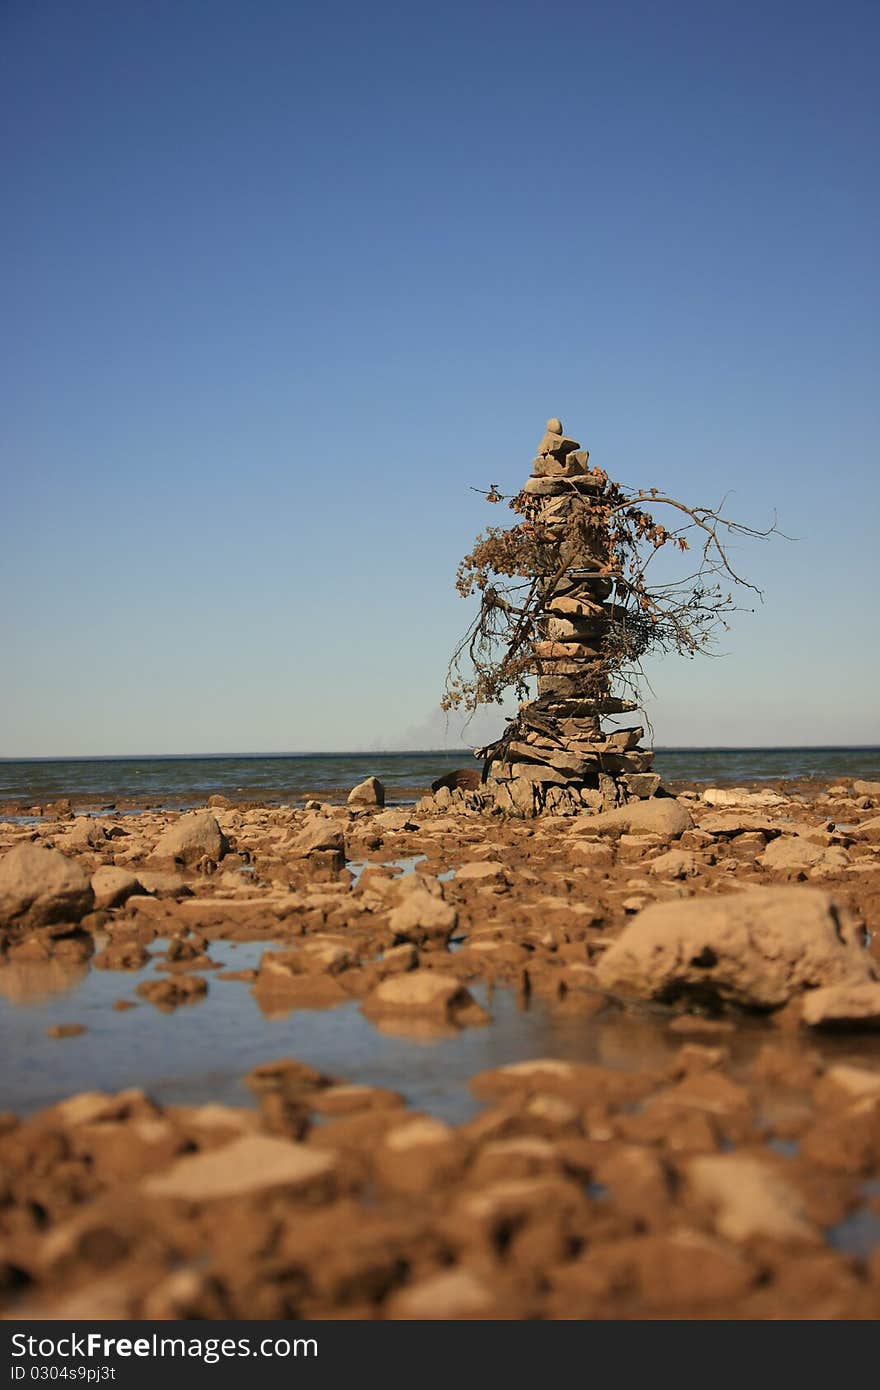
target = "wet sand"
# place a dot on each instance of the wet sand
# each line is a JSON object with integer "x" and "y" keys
{"x": 277, "y": 1107}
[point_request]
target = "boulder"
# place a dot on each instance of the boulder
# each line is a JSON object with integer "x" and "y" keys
{"x": 757, "y": 948}
{"x": 367, "y": 793}
{"x": 195, "y": 836}
{"x": 662, "y": 815}
{"x": 39, "y": 886}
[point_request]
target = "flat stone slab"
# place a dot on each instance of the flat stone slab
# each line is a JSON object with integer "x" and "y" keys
{"x": 248, "y": 1167}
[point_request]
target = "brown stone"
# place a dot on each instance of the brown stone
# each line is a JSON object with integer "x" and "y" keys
{"x": 756, "y": 948}
{"x": 250, "y": 1167}
{"x": 40, "y": 886}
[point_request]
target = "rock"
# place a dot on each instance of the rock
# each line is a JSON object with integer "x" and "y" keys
{"x": 522, "y": 796}
{"x": 573, "y": 629}
{"x": 111, "y": 886}
{"x": 287, "y": 1075}
{"x": 419, "y": 1155}
{"x": 395, "y": 820}
{"x": 790, "y": 852}
{"x": 320, "y": 833}
{"x": 422, "y": 915}
{"x": 564, "y": 606}
{"x": 593, "y": 853}
{"x": 121, "y": 955}
{"x": 160, "y": 884}
{"x": 855, "y": 1083}
{"x": 538, "y": 773}
{"x": 871, "y": 789}
{"x": 253, "y": 1166}
{"x": 662, "y": 816}
{"x": 40, "y": 886}
{"x": 348, "y": 1099}
{"x": 399, "y": 959}
{"x": 194, "y": 836}
{"x": 219, "y": 801}
{"x": 676, "y": 863}
{"x": 748, "y": 1198}
{"x": 856, "y": 1005}
{"x": 370, "y": 792}
{"x": 741, "y": 796}
{"x": 466, "y": 779}
{"x": 756, "y": 948}
{"x": 868, "y": 830}
{"x": 642, "y": 785}
{"x": 425, "y": 994}
{"x": 482, "y": 871}
{"x": 455, "y": 1293}
{"x": 167, "y": 994}
{"x": 85, "y": 833}
{"x": 739, "y": 823}
{"x": 285, "y": 981}
{"x": 65, "y": 1030}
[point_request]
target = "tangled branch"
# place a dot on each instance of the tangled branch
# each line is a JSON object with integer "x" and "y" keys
{"x": 607, "y": 534}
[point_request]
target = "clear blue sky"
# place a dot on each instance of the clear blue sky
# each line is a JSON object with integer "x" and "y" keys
{"x": 282, "y": 282}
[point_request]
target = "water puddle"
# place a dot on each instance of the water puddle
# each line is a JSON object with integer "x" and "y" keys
{"x": 858, "y": 1234}
{"x": 407, "y": 865}
{"x": 200, "y": 1052}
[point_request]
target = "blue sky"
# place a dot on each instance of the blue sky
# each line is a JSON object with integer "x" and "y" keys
{"x": 282, "y": 283}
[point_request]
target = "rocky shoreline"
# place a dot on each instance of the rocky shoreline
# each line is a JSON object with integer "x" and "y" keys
{"x": 708, "y": 1181}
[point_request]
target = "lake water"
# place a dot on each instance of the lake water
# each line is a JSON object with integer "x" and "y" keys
{"x": 280, "y": 777}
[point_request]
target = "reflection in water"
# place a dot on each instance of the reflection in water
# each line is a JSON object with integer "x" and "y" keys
{"x": 196, "y": 1056}
{"x": 634, "y": 1042}
{"x": 424, "y": 1030}
{"x": 32, "y": 981}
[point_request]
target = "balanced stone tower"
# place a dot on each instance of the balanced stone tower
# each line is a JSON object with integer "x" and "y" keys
{"x": 554, "y": 755}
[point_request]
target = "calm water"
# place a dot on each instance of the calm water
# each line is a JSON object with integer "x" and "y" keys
{"x": 181, "y": 781}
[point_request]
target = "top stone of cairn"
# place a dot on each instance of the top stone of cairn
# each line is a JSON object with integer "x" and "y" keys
{"x": 554, "y": 441}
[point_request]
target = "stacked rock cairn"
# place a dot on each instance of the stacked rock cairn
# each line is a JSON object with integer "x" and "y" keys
{"x": 554, "y": 756}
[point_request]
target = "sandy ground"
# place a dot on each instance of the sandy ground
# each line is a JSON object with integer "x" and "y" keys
{"x": 732, "y": 1172}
